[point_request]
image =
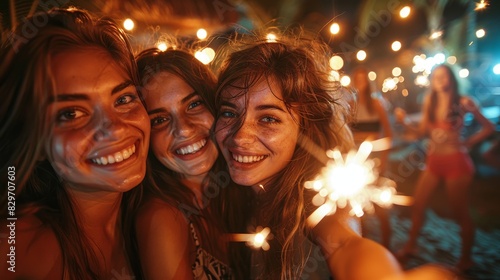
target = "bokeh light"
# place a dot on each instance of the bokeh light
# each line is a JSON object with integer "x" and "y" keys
{"x": 336, "y": 62}
{"x": 463, "y": 73}
{"x": 396, "y": 46}
{"x": 128, "y": 24}
{"x": 201, "y": 34}
{"x": 361, "y": 55}
{"x": 334, "y": 28}
{"x": 404, "y": 12}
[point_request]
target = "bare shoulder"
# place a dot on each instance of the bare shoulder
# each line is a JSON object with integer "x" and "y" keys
{"x": 29, "y": 249}
{"x": 157, "y": 215}
{"x": 164, "y": 241}
{"x": 155, "y": 208}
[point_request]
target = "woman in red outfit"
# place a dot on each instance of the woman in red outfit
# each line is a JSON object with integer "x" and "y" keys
{"x": 448, "y": 159}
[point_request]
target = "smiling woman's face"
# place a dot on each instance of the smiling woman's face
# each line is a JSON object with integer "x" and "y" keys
{"x": 180, "y": 122}
{"x": 100, "y": 135}
{"x": 266, "y": 140}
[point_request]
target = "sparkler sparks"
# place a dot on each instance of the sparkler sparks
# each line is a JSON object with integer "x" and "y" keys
{"x": 481, "y": 5}
{"x": 256, "y": 240}
{"x": 353, "y": 182}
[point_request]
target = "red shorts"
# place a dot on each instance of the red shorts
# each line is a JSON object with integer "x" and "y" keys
{"x": 451, "y": 165}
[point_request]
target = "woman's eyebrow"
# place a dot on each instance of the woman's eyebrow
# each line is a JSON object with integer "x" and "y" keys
{"x": 270, "y": 106}
{"x": 68, "y": 97}
{"x": 228, "y": 104}
{"x": 62, "y": 97}
{"x": 121, "y": 86}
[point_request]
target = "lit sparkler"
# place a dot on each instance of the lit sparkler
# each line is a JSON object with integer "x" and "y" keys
{"x": 481, "y": 5}
{"x": 352, "y": 181}
{"x": 256, "y": 240}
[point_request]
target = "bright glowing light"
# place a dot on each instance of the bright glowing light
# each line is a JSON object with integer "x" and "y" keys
{"x": 271, "y": 38}
{"x": 496, "y": 69}
{"x": 463, "y": 73}
{"x": 436, "y": 34}
{"x": 345, "y": 81}
{"x": 361, "y": 55}
{"x": 396, "y": 46}
{"x": 381, "y": 144}
{"x": 320, "y": 212}
{"x": 372, "y": 76}
{"x": 439, "y": 58}
{"x": 206, "y": 55}
{"x": 424, "y": 65}
{"x": 257, "y": 240}
{"x": 422, "y": 81}
{"x": 351, "y": 181}
{"x": 201, "y": 34}
{"x": 481, "y": 5}
{"x": 451, "y": 59}
{"x": 404, "y": 12}
{"x": 404, "y": 92}
{"x": 334, "y": 28}
{"x": 336, "y": 62}
{"x": 128, "y": 24}
{"x": 162, "y": 46}
{"x": 389, "y": 84}
{"x": 480, "y": 33}
{"x": 396, "y": 71}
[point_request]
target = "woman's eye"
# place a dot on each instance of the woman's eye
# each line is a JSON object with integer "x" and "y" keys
{"x": 227, "y": 114}
{"x": 269, "y": 119}
{"x": 125, "y": 99}
{"x": 195, "y": 104}
{"x": 70, "y": 114}
{"x": 158, "y": 120}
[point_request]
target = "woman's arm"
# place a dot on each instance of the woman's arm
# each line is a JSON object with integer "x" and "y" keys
{"x": 487, "y": 128}
{"x": 420, "y": 130}
{"x": 165, "y": 245}
{"x": 350, "y": 256}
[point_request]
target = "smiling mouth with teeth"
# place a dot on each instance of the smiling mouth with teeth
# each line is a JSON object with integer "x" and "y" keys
{"x": 247, "y": 159}
{"x": 191, "y": 149}
{"x": 116, "y": 157}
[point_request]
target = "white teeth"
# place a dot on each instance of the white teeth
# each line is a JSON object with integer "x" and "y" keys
{"x": 247, "y": 159}
{"x": 191, "y": 149}
{"x": 116, "y": 157}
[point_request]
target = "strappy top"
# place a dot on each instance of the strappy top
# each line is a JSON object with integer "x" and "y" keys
{"x": 206, "y": 266}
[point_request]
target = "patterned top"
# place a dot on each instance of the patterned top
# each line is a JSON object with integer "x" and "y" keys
{"x": 206, "y": 266}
